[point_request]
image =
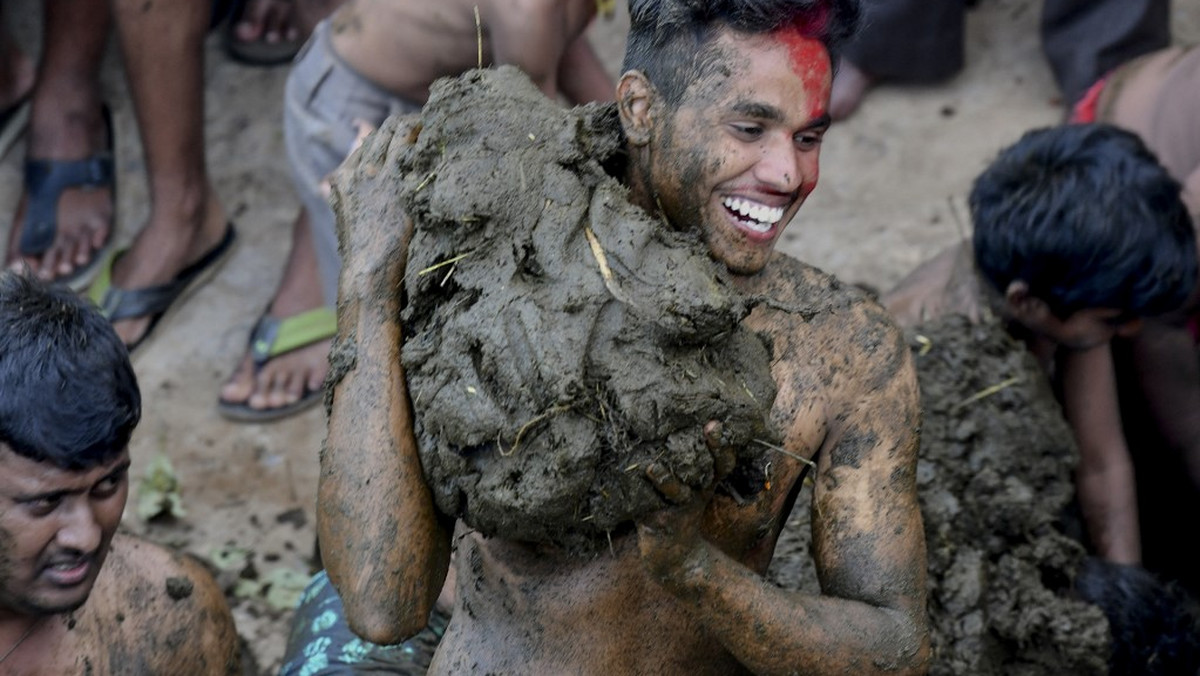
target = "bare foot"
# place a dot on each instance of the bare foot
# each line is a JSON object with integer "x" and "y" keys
{"x": 66, "y": 123}
{"x": 270, "y": 21}
{"x": 285, "y": 379}
{"x": 850, "y": 85}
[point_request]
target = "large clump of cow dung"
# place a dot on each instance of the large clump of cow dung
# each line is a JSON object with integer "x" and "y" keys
{"x": 559, "y": 340}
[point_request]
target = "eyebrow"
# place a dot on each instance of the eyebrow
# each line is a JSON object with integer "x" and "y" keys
{"x": 763, "y": 111}
{"x": 122, "y": 468}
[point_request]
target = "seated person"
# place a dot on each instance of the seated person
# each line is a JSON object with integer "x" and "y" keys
{"x": 1080, "y": 237}
{"x": 76, "y": 597}
{"x": 367, "y": 61}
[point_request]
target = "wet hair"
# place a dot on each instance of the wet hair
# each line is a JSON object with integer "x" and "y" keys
{"x": 1154, "y": 625}
{"x": 1088, "y": 218}
{"x": 70, "y": 397}
{"x": 670, "y": 40}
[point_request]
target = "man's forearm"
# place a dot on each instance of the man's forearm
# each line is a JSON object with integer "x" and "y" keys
{"x": 771, "y": 630}
{"x": 1108, "y": 501}
{"x": 379, "y": 533}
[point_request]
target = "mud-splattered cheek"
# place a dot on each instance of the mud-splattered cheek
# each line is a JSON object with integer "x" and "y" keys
{"x": 810, "y": 62}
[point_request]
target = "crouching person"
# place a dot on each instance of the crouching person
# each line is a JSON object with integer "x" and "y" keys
{"x": 75, "y": 596}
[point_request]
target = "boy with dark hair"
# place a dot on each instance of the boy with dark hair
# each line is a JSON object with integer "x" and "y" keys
{"x": 731, "y": 159}
{"x": 75, "y": 596}
{"x": 1080, "y": 235}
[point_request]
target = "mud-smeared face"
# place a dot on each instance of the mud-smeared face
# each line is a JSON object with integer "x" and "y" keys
{"x": 55, "y": 530}
{"x": 1084, "y": 329}
{"x": 741, "y": 151}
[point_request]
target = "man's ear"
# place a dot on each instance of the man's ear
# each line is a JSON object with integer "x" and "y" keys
{"x": 1023, "y": 305}
{"x": 635, "y": 102}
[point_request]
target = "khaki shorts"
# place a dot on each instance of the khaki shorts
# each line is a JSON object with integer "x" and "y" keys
{"x": 323, "y": 99}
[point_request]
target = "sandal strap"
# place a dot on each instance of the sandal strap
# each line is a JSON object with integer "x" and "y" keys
{"x": 273, "y": 336}
{"x": 45, "y": 181}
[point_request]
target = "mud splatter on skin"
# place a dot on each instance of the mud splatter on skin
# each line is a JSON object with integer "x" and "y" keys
{"x": 993, "y": 478}
{"x": 179, "y": 588}
{"x": 560, "y": 340}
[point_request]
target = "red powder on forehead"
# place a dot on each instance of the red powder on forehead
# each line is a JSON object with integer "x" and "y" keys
{"x": 809, "y": 60}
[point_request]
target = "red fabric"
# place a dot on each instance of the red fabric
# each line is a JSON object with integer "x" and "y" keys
{"x": 1084, "y": 110}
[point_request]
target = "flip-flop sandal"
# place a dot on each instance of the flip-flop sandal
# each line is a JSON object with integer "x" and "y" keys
{"x": 13, "y": 121}
{"x": 156, "y": 302}
{"x": 271, "y": 338}
{"x": 255, "y": 52}
{"x": 45, "y": 181}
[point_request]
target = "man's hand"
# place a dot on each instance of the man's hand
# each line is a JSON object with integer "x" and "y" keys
{"x": 372, "y": 228}
{"x": 669, "y": 539}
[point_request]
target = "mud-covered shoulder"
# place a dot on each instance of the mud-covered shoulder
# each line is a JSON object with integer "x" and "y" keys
{"x": 819, "y": 321}
{"x": 169, "y": 613}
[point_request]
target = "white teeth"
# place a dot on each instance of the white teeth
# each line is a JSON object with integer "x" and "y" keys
{"x": 762, "y": 216}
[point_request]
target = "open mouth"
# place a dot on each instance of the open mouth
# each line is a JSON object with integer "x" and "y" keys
{"x": 755, "y": 217}
{"x": 69, "y": 573}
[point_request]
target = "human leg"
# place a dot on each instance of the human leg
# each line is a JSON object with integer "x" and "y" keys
{"x": 16, "y": 82}
{"x": 1084, "y": 39}
{"x": 67, "y": 124}
{"x": 905, "y": 41}
{"x": 162, "y": 44}
{"x": 324, "y": 102}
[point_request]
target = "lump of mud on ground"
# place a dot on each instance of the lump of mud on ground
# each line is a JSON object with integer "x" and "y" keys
{"x": 559, "y": 339}
{"x": 994, "y": 474}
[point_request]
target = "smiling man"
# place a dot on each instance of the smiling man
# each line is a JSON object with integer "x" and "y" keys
{"x": 75, "y": 596}
{"x": 723, "y": 107}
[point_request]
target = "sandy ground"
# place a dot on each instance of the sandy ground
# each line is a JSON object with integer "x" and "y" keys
{"x": 892, "y": 193}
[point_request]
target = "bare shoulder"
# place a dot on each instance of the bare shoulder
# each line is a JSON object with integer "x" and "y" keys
{"x": 829, "y": 330}
{"x": 170, "y": 614}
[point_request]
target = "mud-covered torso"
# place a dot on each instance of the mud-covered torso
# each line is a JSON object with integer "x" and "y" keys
{"x": 532, "y": 609}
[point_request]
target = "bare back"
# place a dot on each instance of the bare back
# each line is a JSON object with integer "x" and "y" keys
{"x": 524, "y": 609}
{"x": 151, "y": 613}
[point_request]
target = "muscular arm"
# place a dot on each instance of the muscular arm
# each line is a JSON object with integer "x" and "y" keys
{"x": 868, "y": 539}
{"x": 1104, "y": 479}
{"x": 545, "y": 39}
{"x": 381, "y": 539}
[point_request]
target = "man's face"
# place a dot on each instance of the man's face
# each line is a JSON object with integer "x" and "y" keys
{"x": 740, "y": 153}
{"x": 55, "y": 530}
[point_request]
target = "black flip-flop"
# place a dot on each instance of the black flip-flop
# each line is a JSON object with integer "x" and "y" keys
{"x": 156, "y": 302}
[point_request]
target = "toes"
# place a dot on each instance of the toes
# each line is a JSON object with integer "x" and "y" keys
{"x": 241, "y": 384}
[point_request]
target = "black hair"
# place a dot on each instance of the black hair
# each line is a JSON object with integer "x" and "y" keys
{"x": 68, "y": 394}
{"x": 1154, "y": 625}
{"x": 1088, "y": 218}
{"x": 669, "y": 40}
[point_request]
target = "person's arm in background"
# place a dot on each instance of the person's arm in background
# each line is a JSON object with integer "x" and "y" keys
{"x": 546, "y": 39}
{"x": 382, "y": 541}
{"x": 1104, "y": 479}
{"x": 1168, "y": 372}
{"x": 581, "y": 75}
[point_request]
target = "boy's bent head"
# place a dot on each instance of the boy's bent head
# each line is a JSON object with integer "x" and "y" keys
{"x": 70, "y": 397}
{"x": 1084, "y": 217}
{"x": 670, "y": 40}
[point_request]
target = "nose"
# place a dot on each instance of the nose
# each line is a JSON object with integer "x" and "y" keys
{"x": 80, "y": 530}
{"x": 780, "y": 167}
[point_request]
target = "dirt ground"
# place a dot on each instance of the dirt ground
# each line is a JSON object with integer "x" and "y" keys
{"x": 892, "y": 193}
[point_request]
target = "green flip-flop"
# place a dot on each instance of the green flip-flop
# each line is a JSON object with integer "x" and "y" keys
{"x": 272, "y": 337}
